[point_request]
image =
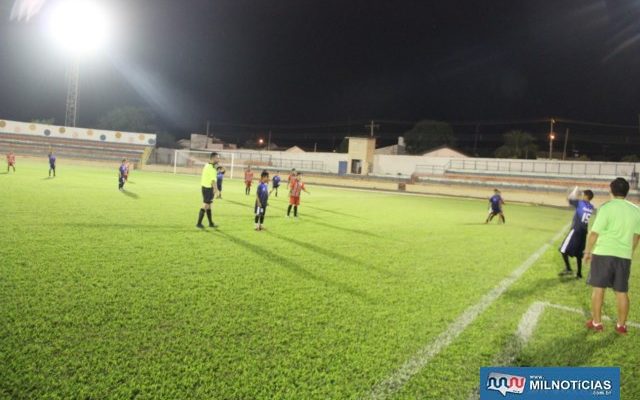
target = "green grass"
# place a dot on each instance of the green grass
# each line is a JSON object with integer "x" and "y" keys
{"x": 116, "y": 295}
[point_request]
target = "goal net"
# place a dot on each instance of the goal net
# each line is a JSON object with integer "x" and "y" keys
{"x": 192, "y": 161}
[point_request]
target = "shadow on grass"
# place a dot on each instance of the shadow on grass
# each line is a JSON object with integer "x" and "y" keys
{"x": 295, "y": 267}
{"x": 146, "y": 227}
{"x": 572, "y": 351}
{"x": 334, "y": 212}
{"x": 345, "y": 229}
{"x": 330, "y": 254}
{"x": 130, "y": 194}
{"x": 48, "y": 178}
{"x": 537, "y": 287}
{"x": 238, "y": 203}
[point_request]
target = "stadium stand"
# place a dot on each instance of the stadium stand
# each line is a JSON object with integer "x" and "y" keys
{"x": 75, "y": 143}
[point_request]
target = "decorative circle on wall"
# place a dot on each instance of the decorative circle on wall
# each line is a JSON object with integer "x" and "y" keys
{"x": 32, "y": 127}
{"x": 90, "y": 132}
{"x": 140, "y": 137}
{"x": 3, "y": 124}
{"x": 62, "y": 130}
{"x": 118, "y": 135}
{"x": 47, "y": 132}
{"x": 103, "y": 137}
{"x": 152, "y": 141}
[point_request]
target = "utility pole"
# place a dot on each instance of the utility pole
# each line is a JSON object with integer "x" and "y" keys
{"x": 372, "y": 126}
{"x": 315, "y": 147}
{"x": 566, "y": 140}
{"x": 475, "y": 141}
{"x": 206, "y": 142}
{"x": 269, "y": 141}
{"x": 551, "y": 137}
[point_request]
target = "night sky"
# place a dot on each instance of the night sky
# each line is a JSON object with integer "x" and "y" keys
{"x": 293, "y": 62}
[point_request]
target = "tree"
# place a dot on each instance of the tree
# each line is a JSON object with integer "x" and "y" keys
{"x": 517, "y": 144}
{"x": 427, "y": 134}
{"x": 128, "y": 119}
{"x": 630, "y": 158}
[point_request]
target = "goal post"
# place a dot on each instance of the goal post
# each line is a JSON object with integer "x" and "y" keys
{"x": 192, "y": 161}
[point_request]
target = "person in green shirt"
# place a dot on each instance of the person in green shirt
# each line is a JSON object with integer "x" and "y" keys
{"x": 613, "y": 239}
{"x": 208, "y": 183}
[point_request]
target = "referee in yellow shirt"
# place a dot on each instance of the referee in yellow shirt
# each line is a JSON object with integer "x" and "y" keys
{"x": 208, "y": 183}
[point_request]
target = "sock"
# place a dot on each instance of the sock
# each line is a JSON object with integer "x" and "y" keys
{"x": 566, "y": 262}
{"x": 261, "y": 218}
{"x": 200, "y": 216}
{"x": 289, "y": 210}
{"x": 502, "y": 218}
{"x": 257, "y": 218}
{"x": 295, "y": 211}
{"x": 579, "y": 262}
{"x": 209, "y": 216}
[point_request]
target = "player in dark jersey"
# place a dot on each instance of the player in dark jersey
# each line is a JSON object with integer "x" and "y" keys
{"x": 276, "y": 183}
{"x": 262, "y": 197}
{"x": 219, "y": 178}
{"x": 573, "y": 245}
{"x": 122, "y": 174}
{"x": 495, "y": 207}
{"x": 52, "y": 164}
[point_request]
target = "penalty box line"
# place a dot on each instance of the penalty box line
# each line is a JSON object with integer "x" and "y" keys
{"x": 421, "y": 359}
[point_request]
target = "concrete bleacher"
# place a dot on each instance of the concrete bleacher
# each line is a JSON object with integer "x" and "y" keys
{"x": 70, "y": 148}
{"x": 35, "y": 139}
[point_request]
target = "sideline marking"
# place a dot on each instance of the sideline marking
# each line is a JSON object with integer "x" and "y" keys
{"x": 421, "y": 358}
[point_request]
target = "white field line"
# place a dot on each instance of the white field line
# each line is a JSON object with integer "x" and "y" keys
{"x": 525, "y": 330}
{"x": 419, "y": 360}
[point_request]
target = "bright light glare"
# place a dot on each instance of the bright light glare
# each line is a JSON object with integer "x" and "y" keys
{"x": 80, "y": 27}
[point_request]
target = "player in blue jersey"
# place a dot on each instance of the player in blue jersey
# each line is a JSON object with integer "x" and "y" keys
{"x": 573, "y": 245}
{"x": 495, "y": 207}
{"x": 52, "y": 164}
{"x": 122, "y": 174}
{"x": 219, "y": 178}
{"x": 276, "y": 183}
{"x": 262, "y": 197}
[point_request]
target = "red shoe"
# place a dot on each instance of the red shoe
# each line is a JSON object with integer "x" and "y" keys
{"x": 621, "y": 329}
{"x": 594, "y": 327}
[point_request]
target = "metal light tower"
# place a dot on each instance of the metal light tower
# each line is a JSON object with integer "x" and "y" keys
{"x": 73, "y": 77}
{"x": 80, "y": 28}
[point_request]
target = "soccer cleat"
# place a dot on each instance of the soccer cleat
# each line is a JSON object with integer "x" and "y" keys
{"x": 200, "y": 226}
{"x": 566, "y": 272}
{"x": 596, "y": 328}
{"x": 621, "y": 329}
{"x": 579, "y": 276}
{"x": 213, "y": 225}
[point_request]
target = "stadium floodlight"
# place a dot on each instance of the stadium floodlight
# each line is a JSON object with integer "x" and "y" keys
{"x": 80, "y": 28}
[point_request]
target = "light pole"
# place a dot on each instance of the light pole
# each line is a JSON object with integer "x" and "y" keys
{"x": 79, "y": 28}
{"x": 552, "y": 136}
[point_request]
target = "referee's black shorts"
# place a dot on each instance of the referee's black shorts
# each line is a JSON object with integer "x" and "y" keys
{"x": 207, "y": 195}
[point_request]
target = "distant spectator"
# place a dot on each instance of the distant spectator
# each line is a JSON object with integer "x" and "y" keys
{"x": 613, "y": 239}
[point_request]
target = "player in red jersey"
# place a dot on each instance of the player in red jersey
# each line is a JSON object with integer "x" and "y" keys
{"x": 11, "y": 161}
{"x": 248, "y": 179}
{"x": 292, "y": 177}
{"x": 296, "y": 187}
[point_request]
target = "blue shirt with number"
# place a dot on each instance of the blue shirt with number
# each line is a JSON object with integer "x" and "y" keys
{"x": 263, "y": 193}
{"x": 584, "y": 211}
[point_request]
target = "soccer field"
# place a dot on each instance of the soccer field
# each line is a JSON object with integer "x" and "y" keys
{"x": 111, "y": 295}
